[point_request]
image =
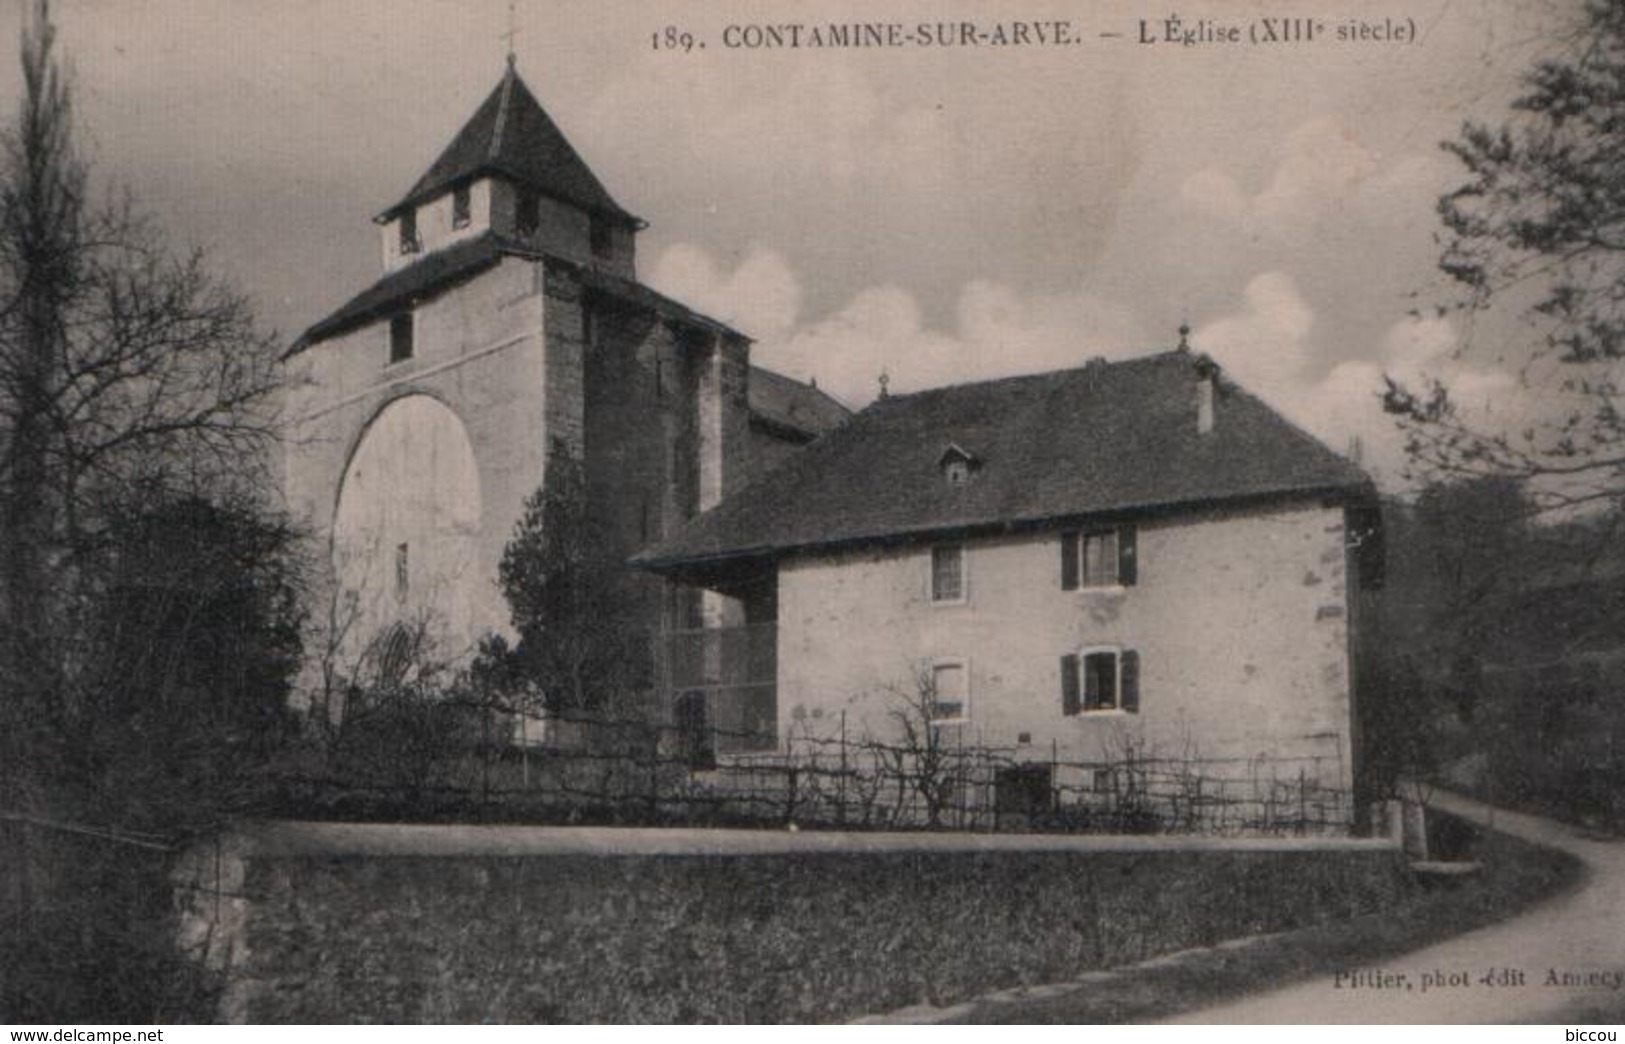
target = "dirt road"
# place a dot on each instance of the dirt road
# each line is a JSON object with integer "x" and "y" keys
{"x": 1555, "y": 962}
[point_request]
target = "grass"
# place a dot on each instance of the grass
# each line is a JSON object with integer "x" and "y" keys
{"x": 1516, "y": 875}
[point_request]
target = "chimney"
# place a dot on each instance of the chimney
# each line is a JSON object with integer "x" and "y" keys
{"x": 1207, "y": 379}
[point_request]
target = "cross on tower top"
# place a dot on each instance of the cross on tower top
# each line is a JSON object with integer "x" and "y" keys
{"x": 513, "y": 30}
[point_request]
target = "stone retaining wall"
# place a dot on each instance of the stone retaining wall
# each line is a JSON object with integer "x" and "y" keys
{"x": 339, "y": 923}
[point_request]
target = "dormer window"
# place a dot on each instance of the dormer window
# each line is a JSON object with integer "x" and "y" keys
{"x": 409, "y": 232}
{"x": 528, "y": 212}
{"x": 603, "y": 237}
{"x": 956, "y": 464}
{"x": 461, "y": 208}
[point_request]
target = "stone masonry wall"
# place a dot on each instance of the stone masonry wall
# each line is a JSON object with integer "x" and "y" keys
{"x": 578, "y": 925}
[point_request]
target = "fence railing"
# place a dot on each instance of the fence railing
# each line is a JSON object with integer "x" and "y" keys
{"x": 719, "y": 687}
{"x": 635, "y": 771}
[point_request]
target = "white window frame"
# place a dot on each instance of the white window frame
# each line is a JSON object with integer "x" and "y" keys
{"x": 931, "y": 575}
{"x": 1116, "y": 583}
{"x": 1084, "y": 710}
{"x": 963, "y": 666}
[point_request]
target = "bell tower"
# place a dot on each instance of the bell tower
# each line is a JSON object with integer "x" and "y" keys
{"x": 506, "y": 332}
{"x": 510, "y": 172}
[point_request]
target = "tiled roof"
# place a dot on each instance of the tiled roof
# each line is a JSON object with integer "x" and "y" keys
{"x": 511, "y": 135}
{"x": 432, "y": 273}
{"x": 1109, "y": 438}
{"x": 792, "y": 407}
{"x": 440, "y": 269}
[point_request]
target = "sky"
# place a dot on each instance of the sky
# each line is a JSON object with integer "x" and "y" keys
{"x": 940, "y": 215}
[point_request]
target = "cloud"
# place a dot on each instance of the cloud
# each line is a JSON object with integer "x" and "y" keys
{"x": 761, "y": 297}
{"x": 1270, "y": 344}
{"x": 997, "y": 331}
{"x": 1267, "y": 348}
{"x": 1325, "y": 177}
{"x": 1265, "y": 344}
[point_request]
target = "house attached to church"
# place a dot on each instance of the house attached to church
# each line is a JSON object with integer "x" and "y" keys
{"x": 508, "y": 328}
{"x": 1133, "y": 552}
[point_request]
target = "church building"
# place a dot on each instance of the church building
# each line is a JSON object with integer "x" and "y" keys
{"x": 1131, "y": 555}
{"x": 508, "y": 328}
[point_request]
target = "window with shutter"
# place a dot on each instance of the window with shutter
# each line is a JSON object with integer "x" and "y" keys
{"x": 1099, "y": 558}
{"x": 1100, "y": 679}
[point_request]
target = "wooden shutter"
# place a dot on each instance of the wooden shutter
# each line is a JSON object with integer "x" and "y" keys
{"x": 1071, "y": 700}
{"x": 1069, "y": 561}
{"x": 1127, "y": 556}
{"x": 1130, "y": 668}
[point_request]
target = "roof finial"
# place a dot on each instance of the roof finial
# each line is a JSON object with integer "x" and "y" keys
{"x": 1184, "y": 337}
{"x": 513, "y": 31}
{"x": 885, "y": 379}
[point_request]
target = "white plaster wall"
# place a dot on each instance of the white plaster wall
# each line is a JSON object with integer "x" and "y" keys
{"x": 435, "y": 231}
{"x": 413, "y": 484}
{"x": 479, "y": 350}
{"x": 1240, "y": 622}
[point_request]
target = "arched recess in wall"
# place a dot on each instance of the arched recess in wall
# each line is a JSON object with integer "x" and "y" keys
{"x": 406, "y": 527}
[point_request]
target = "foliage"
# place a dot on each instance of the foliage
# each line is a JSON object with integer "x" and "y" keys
{"x": 1456, "y": 557}
{"x": 569, "y": 600}
{"x": 409, "y": 722}
{"x": 148, "y": 603}
{"x": 192, "y": 646}
{"x": 130, "y": 382}
{"x": 1539, "y": 225}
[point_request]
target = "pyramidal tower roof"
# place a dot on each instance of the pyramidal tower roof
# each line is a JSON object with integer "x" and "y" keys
{"x": 511, "y": 135}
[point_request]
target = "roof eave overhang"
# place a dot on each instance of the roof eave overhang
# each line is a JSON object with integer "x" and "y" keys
{"x": 780, "y": 428}
{"x": 441, "y": 187}
{"x": 696, "y": 569}
{"x": 325, "y": 331}
{"x": 669, "y": 311}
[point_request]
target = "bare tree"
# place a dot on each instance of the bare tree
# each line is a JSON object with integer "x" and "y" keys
{"x": 148, "y": 603}
{"x": 126, "y": 375}
{"x": 924, "y": 760}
